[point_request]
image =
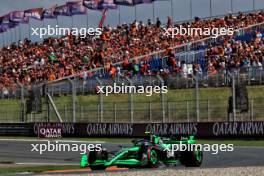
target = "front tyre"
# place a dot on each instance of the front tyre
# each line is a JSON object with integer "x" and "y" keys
{"x": 84, "y": 161}
{"x": 97, "y": 155}
{"x": 152, "y": 157}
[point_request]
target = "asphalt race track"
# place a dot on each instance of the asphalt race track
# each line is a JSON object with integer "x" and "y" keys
{"x": 19, "y": 152}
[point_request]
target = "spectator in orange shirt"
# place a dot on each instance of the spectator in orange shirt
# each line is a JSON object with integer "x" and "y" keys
{"x": 52, "y": 77}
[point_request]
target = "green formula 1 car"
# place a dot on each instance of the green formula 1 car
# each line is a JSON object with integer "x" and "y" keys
{"x": 145, "y": 153}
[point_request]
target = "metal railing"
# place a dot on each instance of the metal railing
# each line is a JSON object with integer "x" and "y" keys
{"x": 78, "y": 100}
{"x": 144, "y": 111}
{"x": 251, "y": 75}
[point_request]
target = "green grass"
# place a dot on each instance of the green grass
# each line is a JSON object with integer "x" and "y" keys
{"x": 35, "y": 169}
{"x": 213, "y": 106}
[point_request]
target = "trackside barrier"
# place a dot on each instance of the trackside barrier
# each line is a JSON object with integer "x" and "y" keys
{"x": 246, "y": 129}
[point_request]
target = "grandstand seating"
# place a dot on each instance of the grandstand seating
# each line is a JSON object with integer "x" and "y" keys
{"x": 156, "y": 63}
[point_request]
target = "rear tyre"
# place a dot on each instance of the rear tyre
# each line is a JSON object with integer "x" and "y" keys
{"x": 192, "y": 158}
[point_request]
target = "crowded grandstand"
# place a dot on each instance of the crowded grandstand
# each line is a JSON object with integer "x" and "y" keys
{"x": 126, "y": 50}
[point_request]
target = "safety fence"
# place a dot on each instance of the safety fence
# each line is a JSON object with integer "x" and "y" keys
{"x": 250, "y": 75}
{"x": 79, "y": 100}
{"x": 153, "y": 111}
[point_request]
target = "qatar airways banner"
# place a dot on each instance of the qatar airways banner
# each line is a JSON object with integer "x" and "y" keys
{"x": 49, "y": 131}
{"x": 200, "y": 130}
